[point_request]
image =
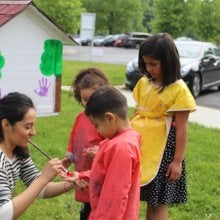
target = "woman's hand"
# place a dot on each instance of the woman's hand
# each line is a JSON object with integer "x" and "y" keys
{"x": 52, "y": 169}
{"x": 174, "y": 171}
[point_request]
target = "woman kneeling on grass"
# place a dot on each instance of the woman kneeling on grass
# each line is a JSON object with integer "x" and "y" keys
{"x": 17, "y": 118}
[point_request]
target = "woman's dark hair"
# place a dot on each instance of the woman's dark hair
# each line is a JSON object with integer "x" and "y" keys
{"x": 13, "y": 107}
{"x": 107, "y": 99}
{"x": 86, "y": 79}
{"x": 161, "y": 47}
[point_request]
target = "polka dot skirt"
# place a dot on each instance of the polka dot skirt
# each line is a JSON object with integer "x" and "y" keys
{"x": 160, "y": 190}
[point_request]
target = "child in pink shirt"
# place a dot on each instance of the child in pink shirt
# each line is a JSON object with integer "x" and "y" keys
{"x": 114, "y": 186}
{"x": 84, "y": 138}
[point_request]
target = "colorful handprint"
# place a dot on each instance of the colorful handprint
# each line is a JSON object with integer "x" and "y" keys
{"x": 44, "y": 87}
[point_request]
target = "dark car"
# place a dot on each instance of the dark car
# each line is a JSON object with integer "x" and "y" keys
{"x": 108, "y": 41}
{"x": 118, "y": 42}
{"x": 134, "y": 39}
{"x": 83, "y": 42}
{"x": 200, "y": 66}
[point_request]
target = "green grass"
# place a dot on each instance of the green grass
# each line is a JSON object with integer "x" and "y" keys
{"x": 116, "y": 73}
{"x": 203, "y": 156}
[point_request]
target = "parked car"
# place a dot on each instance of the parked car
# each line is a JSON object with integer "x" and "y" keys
{"x": 134, "y": 39}
{"x": 200, "y": 66}
{"x": 118, "y": 40}
{"x": 108, "y": 40}
{"x": 98, "y": 40}
{"x": 184, "y": 38}
{"x": 83, "y": 42}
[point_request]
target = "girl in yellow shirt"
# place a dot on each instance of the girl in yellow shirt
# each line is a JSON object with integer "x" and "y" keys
{"x": 163, "y": 106}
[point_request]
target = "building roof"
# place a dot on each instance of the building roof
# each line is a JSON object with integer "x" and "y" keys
{"x": 9, "y": 9}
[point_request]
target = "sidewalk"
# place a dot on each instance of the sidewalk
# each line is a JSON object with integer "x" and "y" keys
{"x": 205, "y": 116}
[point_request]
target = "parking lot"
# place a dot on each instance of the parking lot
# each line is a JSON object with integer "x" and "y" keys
{"x": 100, "y": 54}
{"x": 209, "y": 98}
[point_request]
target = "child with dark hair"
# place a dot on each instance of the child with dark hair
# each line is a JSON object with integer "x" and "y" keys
{"x": 84, "y": 139}
{"x": 163, "y": 106}
{"x": 17, "y": 126}
{"x": 115, "y": 174}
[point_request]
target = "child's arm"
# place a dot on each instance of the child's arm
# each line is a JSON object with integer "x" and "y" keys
{"x": 174, "y": 170}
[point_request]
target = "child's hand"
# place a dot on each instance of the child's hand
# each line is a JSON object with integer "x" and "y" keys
{"x": 91, "y": 151}
{"x": 73, "y": 177}
{"x": 70, "y": 176}
{"x": 66, "y": 162}
{"x": 174, "y": 171}
{"x": 81, "y": 184}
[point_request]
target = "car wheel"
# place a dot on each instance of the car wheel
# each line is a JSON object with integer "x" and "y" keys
{"x": 195, "y": 85}
{"x": 137, "y": 46}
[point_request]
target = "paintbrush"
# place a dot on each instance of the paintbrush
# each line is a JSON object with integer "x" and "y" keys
{"x": 45, "y": 154}
{"x": 34, "y": 145}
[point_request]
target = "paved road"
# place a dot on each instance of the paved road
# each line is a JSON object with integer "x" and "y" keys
{"x": 210, "y": 98}
{"x": 99, "y": 54}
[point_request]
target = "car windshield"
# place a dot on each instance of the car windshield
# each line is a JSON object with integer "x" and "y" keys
{"x": 189, "y": 51}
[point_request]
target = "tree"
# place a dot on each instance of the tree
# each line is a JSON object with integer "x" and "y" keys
{"x": 148, "y": 14}
{"x": 192, "y": 29}
{"x": 171, "y": 16}
{"x": 209, "y": 20}
{"x": 65, "y": 13}
{"x": 116, "y": 16}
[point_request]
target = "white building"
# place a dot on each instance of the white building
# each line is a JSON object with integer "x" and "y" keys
{"x": 31, "y": 54}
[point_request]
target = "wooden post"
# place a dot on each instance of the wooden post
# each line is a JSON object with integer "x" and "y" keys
{"x": 57, "y": 106}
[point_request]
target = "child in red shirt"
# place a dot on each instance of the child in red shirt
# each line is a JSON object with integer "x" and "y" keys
{"x": 114, "y": 186}
{"x": 84, "y": 139}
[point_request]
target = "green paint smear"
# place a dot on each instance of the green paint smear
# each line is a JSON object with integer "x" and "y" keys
{"x": 51, "y": 58}
{"x": 2, "y": 63}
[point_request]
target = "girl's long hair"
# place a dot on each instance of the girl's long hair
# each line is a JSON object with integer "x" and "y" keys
{"x": 161, "y": 47}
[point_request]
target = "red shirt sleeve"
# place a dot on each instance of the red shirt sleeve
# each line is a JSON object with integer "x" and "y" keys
{"x": 85, "y": 175}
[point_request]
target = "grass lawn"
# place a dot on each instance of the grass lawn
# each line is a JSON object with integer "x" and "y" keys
{"x": 203, "y": 156}
{"x": 116, "y": 73}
